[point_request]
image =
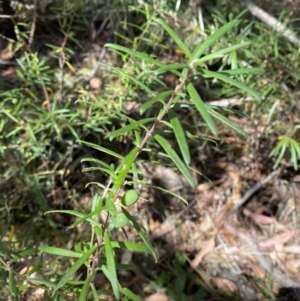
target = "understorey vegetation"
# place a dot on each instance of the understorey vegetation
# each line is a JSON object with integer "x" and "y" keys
{"x": 149, "y": 150}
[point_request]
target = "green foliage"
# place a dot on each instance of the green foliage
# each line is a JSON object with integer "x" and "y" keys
{"x": 48, "y": 112}
{"x": 121, "y": 172}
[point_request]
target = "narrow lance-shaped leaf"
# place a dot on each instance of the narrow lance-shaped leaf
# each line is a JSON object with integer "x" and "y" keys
{"x": 129, "y": 294}
{"x": 175, "y": 158}
{"x": 132, "y": 78}
{"x": 228, "y": 80}
{"x": 243, "y": 71}
{"x": 102, "y": 149}
{"x": 199, "y": 50}
{"x": 180, "y": 136}
{"x": 60, "y": 251}
{"x": 131, "y": 246}
{"x": 226, "y": 121}
{"x": 143, "y": 56}
{"x": 111, "y": 266}
{"x": 172, "y": 68}
{"x": 85, "y": 288}
{"x": 76, "y": 213}
{"x": 159, "y": 97}
{"x": 12, "y": 285}
{"x": 200, "y": 106}
{"x": 175, "y": 37}
{"x": 129, "y": 127}
{"x": 220, "y": 53}
{"x": 75, "y": 267}
{"x": 140, "y": 232}
{"x": 126, "y": 165}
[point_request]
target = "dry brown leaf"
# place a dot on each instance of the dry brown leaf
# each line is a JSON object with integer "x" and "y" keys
{"x": 259, "y": 218}
{"x": 208, "y": 246}
{"x": 225, "y": 285}
{"x": 291, "y": 266}
{"x": 6, "y": 54}
{"x": 258, "y": 271}
{"x": 281, "y": 238}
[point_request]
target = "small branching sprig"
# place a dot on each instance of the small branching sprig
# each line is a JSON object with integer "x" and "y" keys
{"x": 98, "y": 254}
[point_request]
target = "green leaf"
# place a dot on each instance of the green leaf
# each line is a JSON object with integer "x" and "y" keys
{"x": 172, "y": 68}
{"x": 140, "y": 232}
{"x": 159, "y": 97}
{"x": 75, "y": 267}
{"x": 126, "y": 165}
{"x": 295, "y": 150}
{"x": 272, "y": 110}
{"x": 228, "y": 80}
{"x": 10, "y": 116}
{"x": 131, "y": 246}
{"x": 132, "y": 78}
{"x": 201, "y": 107}
{"x": 36, "y": 268}
{"x": 180, "y": 136}
{"x": 102, "y": 149}
{"x": 104, "y": 170}
{"x": 129, "y": 294}
{"x": 242, "y": 71}
{"x": 59, "y": 251}
{"x": 220, "y": 53}
{"x": 224, "y": 120}
{"x": 100, "y": 162}
{"x": 95, "y": 293}
{"x": 132, "y": 126}
{"x": 199, "y": 50}
{"x": 175, "y": 158}
{"x": 145, "y": 57}
{"x": 44, "y": 282}
{"x": 176, "y": 39}
{"x": 76, "y": 213}
{"x": 111, "y": 266}
{"x": 86, "y": 217}
{"x": 85, "y": 288}
{"x": 97, "y": 204}
{"x": 12, "y": 285}
{"x": 177, "y": 195}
